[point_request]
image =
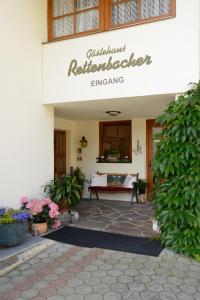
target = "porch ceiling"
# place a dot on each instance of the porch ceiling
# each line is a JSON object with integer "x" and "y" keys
{"x": 137, "y": 107}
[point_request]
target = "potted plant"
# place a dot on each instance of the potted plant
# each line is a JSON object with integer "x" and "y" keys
{"x": 141, "y": 186}
{"x": 13, "y": 226}
{"x": 44, "y": 213}
{"x": 80, "y": 178}
{"x": 66, "y": 192}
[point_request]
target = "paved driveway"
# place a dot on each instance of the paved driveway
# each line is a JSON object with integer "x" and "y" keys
{"x": 74, "y": 273}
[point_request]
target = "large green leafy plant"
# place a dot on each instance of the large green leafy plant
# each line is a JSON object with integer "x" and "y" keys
{"x": 177, "y": 174}
{"x": 65, "y": 190}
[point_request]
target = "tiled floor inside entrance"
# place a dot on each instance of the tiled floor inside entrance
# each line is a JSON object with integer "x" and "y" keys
{"x": 117, "y": 217}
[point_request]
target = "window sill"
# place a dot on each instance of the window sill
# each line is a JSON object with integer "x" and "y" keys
{"x": 114, "y": 162}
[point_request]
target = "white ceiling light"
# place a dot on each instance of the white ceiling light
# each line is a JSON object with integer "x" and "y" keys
{"x": 113, "y": 113}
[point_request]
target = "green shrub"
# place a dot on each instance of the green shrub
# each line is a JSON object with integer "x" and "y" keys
{"x": 177, "y": 174}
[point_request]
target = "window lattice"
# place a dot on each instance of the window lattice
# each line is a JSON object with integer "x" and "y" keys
{"x": 74, "y": 17}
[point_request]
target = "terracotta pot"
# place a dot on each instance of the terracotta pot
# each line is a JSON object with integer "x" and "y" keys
{"x": 63, "y": 206}
{"x": 41, "y": 227}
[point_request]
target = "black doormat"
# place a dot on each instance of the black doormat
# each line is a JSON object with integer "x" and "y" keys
{"x": 99, "y": 239}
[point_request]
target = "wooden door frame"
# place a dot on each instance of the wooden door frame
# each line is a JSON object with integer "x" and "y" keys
{"x": 150, "y": 123}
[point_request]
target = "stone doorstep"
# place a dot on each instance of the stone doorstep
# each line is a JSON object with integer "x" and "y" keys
{"x": 13, "y": 261}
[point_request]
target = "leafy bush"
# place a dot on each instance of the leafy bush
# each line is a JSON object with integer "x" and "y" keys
{"x": 177, "y": 174}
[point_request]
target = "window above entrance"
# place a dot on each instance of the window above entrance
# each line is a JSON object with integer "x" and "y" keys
{"x": 115, "y": 142}
{"x": 71, "y": 18}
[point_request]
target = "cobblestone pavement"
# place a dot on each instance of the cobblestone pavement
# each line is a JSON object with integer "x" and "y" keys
{"x": 74, "y": 273}
{"x": 117, "y": 217}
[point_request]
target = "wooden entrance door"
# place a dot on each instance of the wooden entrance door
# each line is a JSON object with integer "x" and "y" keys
{"x": 151, "y": 129}
{"x": 59, "y": 153}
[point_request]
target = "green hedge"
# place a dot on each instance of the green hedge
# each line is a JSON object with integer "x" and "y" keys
{"x": 177, "y": 174}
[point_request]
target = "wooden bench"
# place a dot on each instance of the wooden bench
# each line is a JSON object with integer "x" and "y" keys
{"x": 114, "y": 185}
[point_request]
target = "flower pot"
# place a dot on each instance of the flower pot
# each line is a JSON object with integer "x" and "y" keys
{"x": 12, "y": 234}
{"x": 63, "y": 205}
{"x": 40, "y": 227}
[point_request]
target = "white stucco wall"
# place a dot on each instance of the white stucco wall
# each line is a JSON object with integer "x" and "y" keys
{"x": 90, "y": 129}
{"x": 173, "y": 45}
{"x": 26, "y": 126}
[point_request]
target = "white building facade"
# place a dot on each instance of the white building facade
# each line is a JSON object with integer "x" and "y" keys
{"x": 66, "y": 79}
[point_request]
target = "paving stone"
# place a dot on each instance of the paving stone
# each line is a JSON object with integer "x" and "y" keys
{"x": 4, "y": 287}
{"x": 17, "y": 279}
{"x": 136, "y": 286}
{"x": 101, "y": 288}
{"x": 98, "y": 262}
{"x": 154, "y": 287}
{"x": 75, "y": 258}
{"x": 54, "y": 254}
{"x": 175, "y": 280}
{"x": 164, "y": 271}
{"x": 142, "y": 278}
{"x": 4, "y": 280}
{"x": 112, "y": 296}
{"x": 104, "y": 256}
{"x": 149, "y": 296}
{"x": 28, "y": 272}
{"x": 75, "y": 297}
{"x": 105, "y": 267}
{"x": 94, "y": 296}
{"x": 119, "y": 287}
{"x": 99, "y": 273}
{"x": 159, "y": 279}
{"x": 111, "y": 261}
{"x": 75, "y": 282}
{"x": 30, "y": 293}
{"x": 167, "y": 296}
{"x": 65, "y": 291}
{"x": 136, "y": 265}
{"x": 84, "y": 289}
{"x": 178, "y": 273}
{"x": 56, "y": 297}
{"x": 194, "y": 275}
{"x": 192, "y": 281}
{"x": 121, "y": 267}
{"x": 126, "y": 260}
{"x": 188, "y": 289}
{"x": 146, "y": 271}
{"x": 183, "y": 296}
{"x": 195, "y": 268}
{"x": 67, "y": 264}
{"x": 40, "y": 284}
{"x": 171, "y": 288}
{"x": 115, "y": 273}
{"x": 131, "y": 272}
{"x": 92, "y": 281}
{"x": 125, "y": 279}
{"x": 50, "y": 277}
{"x": 83, "y": 275}
{"x": 59, "y": 270}
{"x": 131, "y": 295}
{"x": 109, "y": 280}
{"x": 91, "y": 268}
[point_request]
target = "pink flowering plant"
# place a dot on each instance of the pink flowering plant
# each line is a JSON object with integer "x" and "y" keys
{"x": 43, "y": 210}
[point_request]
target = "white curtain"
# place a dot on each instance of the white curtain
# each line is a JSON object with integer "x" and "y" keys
{"x": 87, "y": 20}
